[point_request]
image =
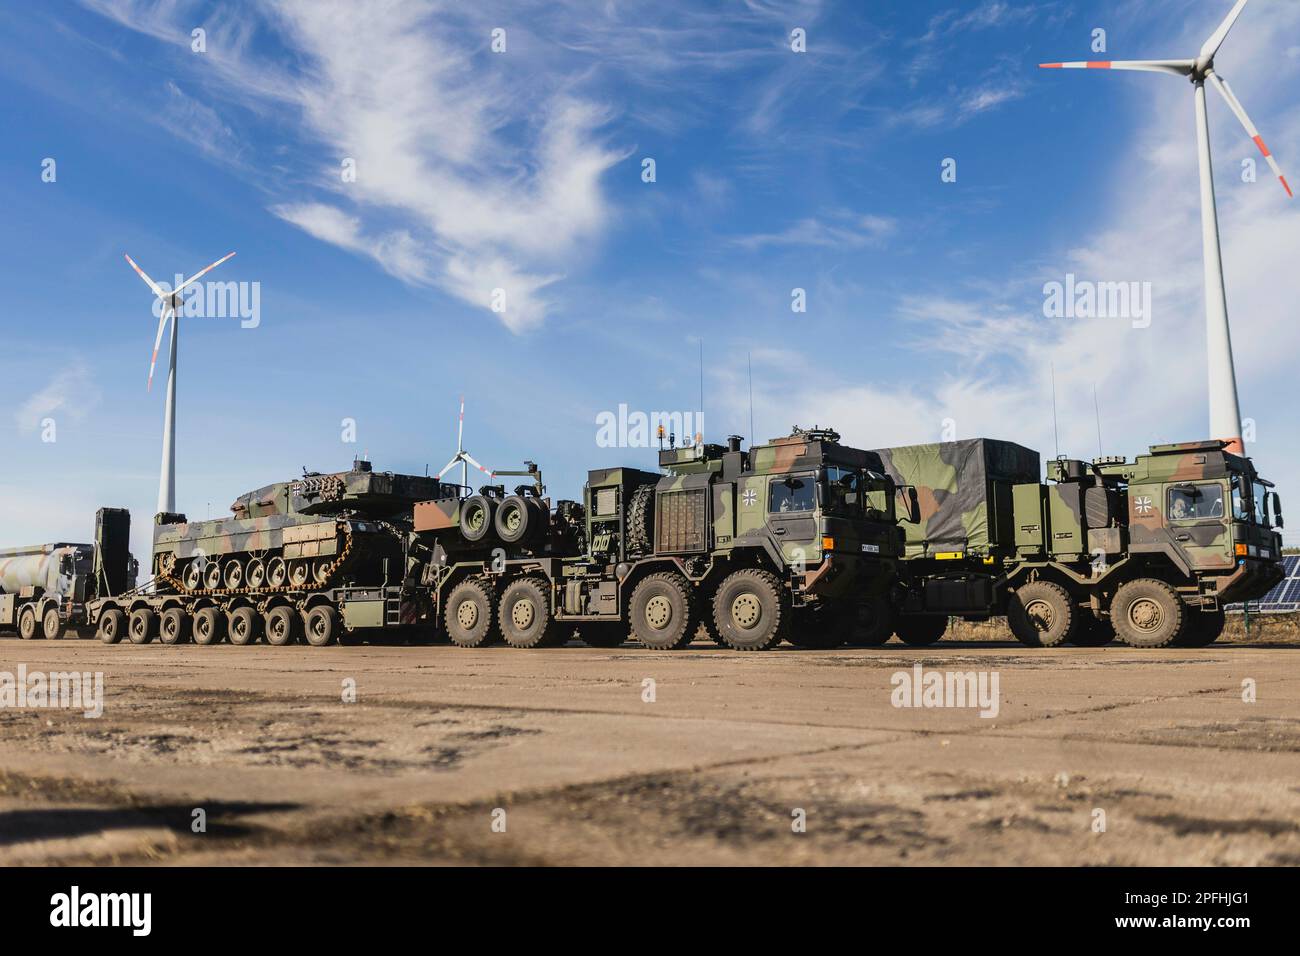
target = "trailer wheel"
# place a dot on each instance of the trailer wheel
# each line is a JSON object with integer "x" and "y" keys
{"x": 1092, "y": 632}
{"x": 470, "y": 614}
{"x": 142, "y": 626}
{"x": 111, "y": 625}
{"x": 282, "y": 626}
{"x": 1147, "y": 613}
{"x": 27, "y": 623}
{"x": 525, "y": 615}
{"x": 322, "y": 626}
{"x": 1201, "y": 628}
{"x": 920, "y": 630}
{"x": 1041, "y": 614}
{"x": 209, "y": 626}
{"x": 663, "y": 612}
{"x": 243, "y": 625}
{"x": 174, "y": 626}
{"x": 602, "y": 633}
{"x": 822, "y": 626}
{"x": 52, "y": 624}
{"x": 751, "y": 610}
{"x": 875, "y": 622}
{"x": 476, "y": 517}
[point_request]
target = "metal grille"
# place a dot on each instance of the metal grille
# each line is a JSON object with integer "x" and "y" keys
{"x": 606, "y": 501}
{"x": 681, "y": 521}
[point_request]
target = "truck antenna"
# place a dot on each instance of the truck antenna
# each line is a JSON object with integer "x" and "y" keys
{"x": 1056, "y": 428}
{"x": 1096, "y": 407}
{"x": 700, "y": 421}
{"x": 750, "y": 358}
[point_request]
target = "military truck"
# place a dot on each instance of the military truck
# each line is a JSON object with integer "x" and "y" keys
{"x": 309, "y": 558}
{"x": 1149, "y": 550}
{"x": 45, "y": 589}
{"x": 760, "y": 545}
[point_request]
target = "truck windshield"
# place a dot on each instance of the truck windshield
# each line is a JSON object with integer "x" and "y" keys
{"x": 843, "y": 491}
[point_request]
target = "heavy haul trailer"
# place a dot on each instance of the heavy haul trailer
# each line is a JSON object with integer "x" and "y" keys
{"x": 46, "y": 589}
{"x": 1150, "y": 550}
{"x": 304, "y": 559}
{"x": 760, "y": 545}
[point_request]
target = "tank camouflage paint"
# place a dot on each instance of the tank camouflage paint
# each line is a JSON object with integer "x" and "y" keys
{"x": 309, "y": 534}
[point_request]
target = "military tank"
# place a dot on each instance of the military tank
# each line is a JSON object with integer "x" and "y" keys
{"x": 316, "y": 532}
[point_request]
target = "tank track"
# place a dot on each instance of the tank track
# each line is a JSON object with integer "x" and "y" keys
{"x": 167, "y": 575}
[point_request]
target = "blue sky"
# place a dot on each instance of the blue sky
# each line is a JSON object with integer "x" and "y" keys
{"x": 522, "y": 170}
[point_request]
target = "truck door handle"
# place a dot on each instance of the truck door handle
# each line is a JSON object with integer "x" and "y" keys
{"x": 778, "y": 530}
{"x": 1184, "y": 537}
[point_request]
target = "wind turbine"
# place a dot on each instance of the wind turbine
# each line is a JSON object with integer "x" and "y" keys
{"x": 1225, "y": 414}
{"x": 462, "y": 456}
{"x": 171, "y": 302}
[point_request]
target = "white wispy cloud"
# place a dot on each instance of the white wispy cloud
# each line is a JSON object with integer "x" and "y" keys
{"x": 70, "y": 392}
{"x": 840, "y": 230}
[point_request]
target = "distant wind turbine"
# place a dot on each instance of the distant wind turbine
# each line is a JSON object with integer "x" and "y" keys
{"x": 462, "y": 457}
{"x": 1225, "y": 414}
{"x": 171, "y": 302}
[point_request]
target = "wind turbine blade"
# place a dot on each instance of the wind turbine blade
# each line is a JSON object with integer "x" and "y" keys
{"x": 1235, "y": 105}
{"x": 449, "y": 466}
{"x": 202, "y": 272}
{"x": 140, "y": 272}
{"x": 157, "y": 342}
{"x": 466, "y": 456}
{"x": 460, "y": 426}
{"x": 1218, "y": 36}
{"x": 1176, "y": 67}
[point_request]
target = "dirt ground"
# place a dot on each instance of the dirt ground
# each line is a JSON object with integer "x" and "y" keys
{"x": 628, "y": 756}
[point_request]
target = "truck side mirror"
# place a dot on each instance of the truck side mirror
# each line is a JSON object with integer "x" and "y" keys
{"x": 1277, "y": 510}
{"x": 913, "y": 504}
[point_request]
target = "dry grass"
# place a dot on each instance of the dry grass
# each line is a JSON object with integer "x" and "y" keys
{"x": 1264, "y": 629}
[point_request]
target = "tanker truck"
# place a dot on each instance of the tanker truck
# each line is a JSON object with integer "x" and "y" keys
{"x": 1149, "y": 550}
{"x": 46, "y": 589}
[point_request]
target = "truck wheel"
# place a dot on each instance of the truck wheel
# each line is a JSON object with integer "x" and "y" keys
{"x": 469, "y": 615}
{"x": 112, "y": 623}
{"x": 52, "y": 624}
{"x": 602, "y": 633}
{"x": 1041, "y": 614}
{"x": 27, "y": 623}
{"x": 822, "y": 626}
{"x": 1201, "y": 628}
{"x": 243, "y": 625}
{"x": 1147, "y": 613}
{"x": 174, "y": 626}
{"x": 751, "y": 610}
{"x": 282, "y": 626}
{"x": 525, "y": 614}
{"x": 515, "y": 521}
{"x": 640, "y": 520}
{"x": 209, "y": 626}
{"x": 920, "y": 630}
{"x": 476, "y": 516}
{"x": 875, "y": 622}
{"x": 143, "y": 626}
{"x": 662, "y": 612}
{"x": 322, "y": 626}
{"x": 1092, "y": 632}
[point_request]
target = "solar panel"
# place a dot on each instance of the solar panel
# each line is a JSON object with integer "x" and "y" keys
{"x": 1284, "y": 597}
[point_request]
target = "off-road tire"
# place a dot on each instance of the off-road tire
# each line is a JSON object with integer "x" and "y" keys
{"x": 525, "y": 615}
{"x": 822, "y": 626}
{"x": 875, "y": 622}
{"x": 1147, "y": 613}
{"x": 477, "y": 514}
{"x": 516, "y": 519}
{"x": 28, "y": 625}
{"x": 1042, "y": 614}
{"x": 468, "y": 628}
{"x": 641, "y": 520}
{"x": 663, "y": 611}
{"x": 751, "y": 610}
